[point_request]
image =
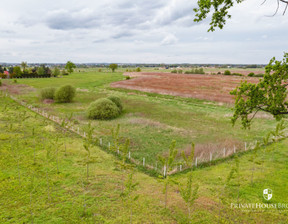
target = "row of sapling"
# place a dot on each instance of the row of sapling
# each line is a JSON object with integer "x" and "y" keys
{"x": 127, "y": 195}
{"x": 167, "y": 163}
{"x": 115, "y": 138}
{"x": 88, "y": 144}
{"x": 65, "y": 125}
{"x": 128, "y": 187}
{"x": 188, "y": 192}
{"x": 254, "y": 159}
{"x": 233, "y": 175}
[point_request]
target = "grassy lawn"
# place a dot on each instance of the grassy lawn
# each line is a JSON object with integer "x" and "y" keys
{"x": 42, "y": 181}
{"x": 85, "y": 79}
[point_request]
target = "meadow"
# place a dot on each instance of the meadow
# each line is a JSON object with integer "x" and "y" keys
{"x": 151, "y": 121}
{"x": 43, "y": 179}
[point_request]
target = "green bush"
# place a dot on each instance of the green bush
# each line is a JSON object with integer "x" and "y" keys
{"x": 236, "y": 74}
{"x": 227, "y": 72}
{"x": 180, "y": 71}
{"x": 127, "y": 77}
{"x": 65, "y": 94}
{"x": 195, "y": 71}
{"x": 64, "y": 72}
{"x": 251, "y": 74}
{"x": 0, "y": 83}
{"x": 259, "y": 75}
{"x": 174, "y": 71}
{"x": 117, "y": 102}
{"x": 47, "y": 93}
{"x": 15, "y": 80}
{"x": 103, "y": 109}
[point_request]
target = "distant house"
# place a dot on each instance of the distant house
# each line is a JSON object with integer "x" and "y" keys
{"x": 7, "y": 73}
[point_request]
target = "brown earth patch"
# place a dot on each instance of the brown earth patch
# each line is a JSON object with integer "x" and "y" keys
{"x": 48, "y": 101}
{"x": 202, "y": 151}
{"x": 17, "y": 89}
{"x": 205, "y": 87}
{"x": 157, "y": 124}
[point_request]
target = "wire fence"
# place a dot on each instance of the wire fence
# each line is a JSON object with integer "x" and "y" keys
{"x": 204, "y": 158}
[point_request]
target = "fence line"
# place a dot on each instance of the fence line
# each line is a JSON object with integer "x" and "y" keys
{"x": 76, "y": 130}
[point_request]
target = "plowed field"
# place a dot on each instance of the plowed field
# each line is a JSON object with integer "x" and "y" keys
{"x": 206, "y": 87}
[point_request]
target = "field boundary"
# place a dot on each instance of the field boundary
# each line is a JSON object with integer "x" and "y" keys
{"x": 142, "y": 165}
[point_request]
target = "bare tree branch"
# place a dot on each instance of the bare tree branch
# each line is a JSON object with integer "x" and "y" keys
{"x": 278, "y": 5}
{"x": 285, "y": 9}
{"x": 263, "y": 2}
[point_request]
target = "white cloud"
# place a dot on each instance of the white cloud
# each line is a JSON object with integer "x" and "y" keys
{"x": 136, "y": 31}
{"x": 169, "y": 40}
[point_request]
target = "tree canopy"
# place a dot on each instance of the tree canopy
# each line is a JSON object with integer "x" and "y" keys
{"x": 269, "y": 95}
{"x": 220, "y": 11}
{"x": 70, "y": 66}
{"x": 24, "y": 65}
{"x": 113, "y": 67}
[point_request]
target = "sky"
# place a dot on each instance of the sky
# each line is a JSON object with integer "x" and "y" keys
{"x": 138, "y": 31}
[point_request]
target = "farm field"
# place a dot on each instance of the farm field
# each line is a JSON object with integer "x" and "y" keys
{"x": 150, "y": 120}
{"x": 204, "y": 87}
{"x": 43, "y": 179}
{"x": 243, "y": 71}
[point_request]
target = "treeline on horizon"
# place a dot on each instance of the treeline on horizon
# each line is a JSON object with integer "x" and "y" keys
{"x": 42, "y": 71}
{"x": 127, "y": 65}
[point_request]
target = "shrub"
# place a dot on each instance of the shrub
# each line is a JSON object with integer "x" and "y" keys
{"x": 259, "y": 75}
{"x": 227, "y": 72}
{"x": 103, "y": 109}
{"x": 15, "y": 81}
{"x": 236, "y": 74}
{"x": 195, "y": 71}
{"x": 138, "y": 70}
{"x": 56, "y": 72}
{"x": 0, "y": 83}
{"x": 64, "y": 72}
{"x": 65, "y": 94}
{"x": 117, "y": 102}
{"x": 127, "y": 77}
{"x": 251, "y": 74}
{"x": 47, "y": 93}
{"x": 180, "y": 71}
{"x": 174, "y": 71}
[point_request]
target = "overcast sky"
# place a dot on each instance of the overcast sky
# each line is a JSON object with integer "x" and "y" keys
{"x": 137, "y": 31}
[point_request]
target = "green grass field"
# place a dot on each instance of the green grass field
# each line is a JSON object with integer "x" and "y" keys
{"x": 151, "y": 121}
{"x": 42, "y": 181}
